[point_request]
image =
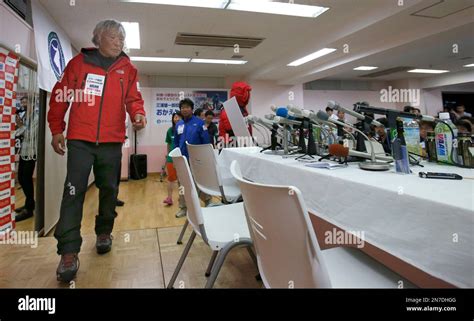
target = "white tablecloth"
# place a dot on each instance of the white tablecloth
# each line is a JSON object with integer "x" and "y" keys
{"x": 425, "y": 222}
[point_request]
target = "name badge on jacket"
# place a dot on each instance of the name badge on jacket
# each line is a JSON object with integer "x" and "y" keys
{"x": 94, "y": 84}
{"x": 180, "y": 129}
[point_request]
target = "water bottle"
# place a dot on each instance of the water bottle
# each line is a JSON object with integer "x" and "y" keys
{"x": 400, "y": 151}
{"x": 444, "y": 139}
{"x": 412, "y": 137}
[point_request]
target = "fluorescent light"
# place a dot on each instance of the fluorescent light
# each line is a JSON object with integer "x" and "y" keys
{"x": 219, "y": 61}
{"x": 160, "y": 59}
{"x": 365, "y": 68}
{"x": 218, "y": 4}
{"x": 470, "y": 65}
{"x": 281, "y": 8}
{"x": 428, "y": 71}
{"x": 261, "y": 6}
{"x": 132, "y": 39}
{"x": 313, "y": 56}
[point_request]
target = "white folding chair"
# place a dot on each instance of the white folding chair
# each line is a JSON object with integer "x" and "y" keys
{"x": 207, "y": 175}
{"x": 222, "y": 228}
{"x": 288, "y": 254}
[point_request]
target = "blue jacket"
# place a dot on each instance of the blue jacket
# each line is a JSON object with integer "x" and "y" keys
{"x": 193, "y": 131}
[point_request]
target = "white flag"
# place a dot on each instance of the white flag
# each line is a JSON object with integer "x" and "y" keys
{"x": 53, "y": 47}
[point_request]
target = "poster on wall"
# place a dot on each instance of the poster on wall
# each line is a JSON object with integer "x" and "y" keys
{"x": 8, "y": 83}
{"x": 166, "y": 102}
{"x": 53, "y": 47}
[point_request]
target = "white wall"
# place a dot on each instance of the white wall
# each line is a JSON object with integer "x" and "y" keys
{"x": 16, "y": 33}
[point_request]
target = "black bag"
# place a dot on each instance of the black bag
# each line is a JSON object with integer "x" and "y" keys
{"x": 138, "y": 164}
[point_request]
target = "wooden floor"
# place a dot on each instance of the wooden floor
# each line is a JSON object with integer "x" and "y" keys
{"x": 144, "y": 252}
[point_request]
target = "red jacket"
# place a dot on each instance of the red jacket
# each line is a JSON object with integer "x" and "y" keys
{"x": 102, "y": 119}
{"x": 241, "y": 91}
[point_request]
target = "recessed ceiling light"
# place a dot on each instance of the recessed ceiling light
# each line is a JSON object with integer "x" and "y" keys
{"x": 428, "y": 71}
{"x": 219, "y": 61}
{"x": 313, "y": 56}
{"x": 470, "y": 65}
{"x": 281, "y": 8}
{"x": 160, "y": 59}
{"x": 365, "y": 68}
{"x": 132, "y": 38}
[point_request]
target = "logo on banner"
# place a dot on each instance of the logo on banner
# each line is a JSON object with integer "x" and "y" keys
{"x": 56, "y": 54}
{"x": 2, "y": 66}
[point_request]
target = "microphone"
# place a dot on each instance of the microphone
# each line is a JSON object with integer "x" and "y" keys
{"x": 321, "y": 115}
{"x": 373, "y": 164}
{"x": 427, "y": 118}
{"x": 257, "y": 120}
{"x": 281, "y": 120}
{"x": 341, "y": 151}
{"x": 334, "y": 105}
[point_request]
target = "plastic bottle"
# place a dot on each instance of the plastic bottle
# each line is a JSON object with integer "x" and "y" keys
{"x": 412, "y": 136}
{"x": 444, "y": 139}
{"x": 400, "y": 151}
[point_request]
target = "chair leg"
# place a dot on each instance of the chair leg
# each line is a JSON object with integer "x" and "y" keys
{"x": 220, "y": 260}
{"x": 252, "y": 255}
{"x": 211, "y": 263}
{"x": 181, "y": 260}
{"x": 183, "y": 230}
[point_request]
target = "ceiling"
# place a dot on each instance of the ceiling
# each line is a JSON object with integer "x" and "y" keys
{"x": 377, "y": 32}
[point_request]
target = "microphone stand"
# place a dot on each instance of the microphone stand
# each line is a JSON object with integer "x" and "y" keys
{"x": 311, "y": 148}
{"x": 274, "y": 142}
{"x": 373, "y": 164}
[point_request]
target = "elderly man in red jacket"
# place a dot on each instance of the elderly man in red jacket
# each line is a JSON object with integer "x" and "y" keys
{"x": 100, "y": 85}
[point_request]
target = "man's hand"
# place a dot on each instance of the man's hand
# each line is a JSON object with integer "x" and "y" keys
{"x": 58, "y": 144}
{"x": 140, "y": 122}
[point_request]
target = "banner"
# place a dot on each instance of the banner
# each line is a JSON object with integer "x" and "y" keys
{"x": 8, "y": 86}
{"x": 53, "y": 47}
{"x": 166, "y": 102}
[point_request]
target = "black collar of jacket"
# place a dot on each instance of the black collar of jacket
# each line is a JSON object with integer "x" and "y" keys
{"x": 91, "y": 56}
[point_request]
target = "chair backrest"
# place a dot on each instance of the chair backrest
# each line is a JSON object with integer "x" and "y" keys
{"x": 189, "y": 190}
{"x": 204, "y": 168}
{"x": 288, "y": 252}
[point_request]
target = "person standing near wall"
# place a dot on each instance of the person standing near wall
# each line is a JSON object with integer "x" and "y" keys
{"x": 108, "y": 86}
{"x": 193, "y": 130}
{"x": 211, "y": 127}
{"x": 171, "y": 171}
{"x": 27, "y": 129}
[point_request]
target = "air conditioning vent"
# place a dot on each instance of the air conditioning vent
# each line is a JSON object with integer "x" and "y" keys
{"x": 443, "y": 8}
{"x": 189, "y": 39}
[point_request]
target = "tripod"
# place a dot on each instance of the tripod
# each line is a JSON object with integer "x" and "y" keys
{"x": 309, "y": 150}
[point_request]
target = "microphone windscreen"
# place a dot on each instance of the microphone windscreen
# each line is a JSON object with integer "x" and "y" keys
{"x": 282, "y": 112}
{"x": 322, "y": 115}
{"x": 338, "y": 150}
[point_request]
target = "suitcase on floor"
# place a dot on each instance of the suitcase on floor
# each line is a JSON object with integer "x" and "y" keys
{"x": 138, "y": 164}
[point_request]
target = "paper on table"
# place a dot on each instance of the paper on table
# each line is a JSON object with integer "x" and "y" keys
{"x": 326, "y": 165}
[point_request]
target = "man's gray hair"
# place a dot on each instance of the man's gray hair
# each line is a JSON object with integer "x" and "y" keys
{"x": 104, "y": 25}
